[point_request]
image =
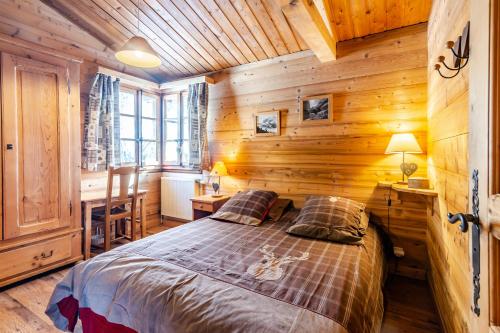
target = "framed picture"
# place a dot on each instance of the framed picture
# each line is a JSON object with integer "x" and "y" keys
{"x": 316, "y": 109}
{"x": 267, "y": 123}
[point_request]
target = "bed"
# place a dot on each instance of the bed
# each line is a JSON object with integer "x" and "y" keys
{"x": 212, "y": 276}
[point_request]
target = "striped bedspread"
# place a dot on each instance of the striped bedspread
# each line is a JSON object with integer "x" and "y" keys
{"x": 211, "y": 276}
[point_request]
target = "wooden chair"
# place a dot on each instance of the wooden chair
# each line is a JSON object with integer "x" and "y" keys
{"x": 116, "y": 207}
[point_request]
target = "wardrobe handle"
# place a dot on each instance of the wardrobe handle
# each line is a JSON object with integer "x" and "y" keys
{"x": 45, "y": 256}
{"x": 10, "y": 146}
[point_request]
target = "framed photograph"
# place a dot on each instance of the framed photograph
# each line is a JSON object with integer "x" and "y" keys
{"x": 267, "y": 123}
{"x": 316, "y": 109}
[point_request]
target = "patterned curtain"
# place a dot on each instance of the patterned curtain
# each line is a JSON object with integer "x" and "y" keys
{"x": 199, "y": 156}
{"x": 101, "y": 139}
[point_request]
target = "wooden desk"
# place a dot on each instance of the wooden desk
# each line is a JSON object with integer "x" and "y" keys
{"x": 97, "y": 199}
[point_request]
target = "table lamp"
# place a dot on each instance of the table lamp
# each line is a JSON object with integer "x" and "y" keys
{"x": 218, "y": 170}
{"x": 404, "y": 143}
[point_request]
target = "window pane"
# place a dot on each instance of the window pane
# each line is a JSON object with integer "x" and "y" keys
{"x": 149, "y": 129}
{"x": 185, "y": 130}
{"x": 127, "y": 102}
{"x": 127, "y": 151}
{"x": 172, "y": 106}
{"x": 171, "y": 130}
{"x": 148, "y": 106}
{"x": 185, "y": 153}
{"x": 149, "y": 153}
{"x": 184, "y": 98}
{"x": 170, "y": 152}
{"x": 127, "y": 127}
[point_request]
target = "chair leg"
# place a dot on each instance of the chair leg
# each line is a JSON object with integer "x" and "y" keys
{"x": 143, "y": 217}
{"x": 107, "y": 235}
{"x": 143, "y": 228}
{"x": 132, "y": 226}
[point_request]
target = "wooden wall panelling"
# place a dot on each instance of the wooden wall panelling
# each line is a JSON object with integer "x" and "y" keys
{"x": 192, "y": 36}
{"x": 376, "y": 92}
{"x": 285, "y": 31}
{"x": 448, "y": 102}
{"x": 33, "y": 21}
{"x": 217, "y": 54}
{"x": 124, "y": 24}
{"x": 195, "y": 36}
{"x": 353, "y": 18}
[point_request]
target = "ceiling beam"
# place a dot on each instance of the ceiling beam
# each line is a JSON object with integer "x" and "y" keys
{"x": 305, "y": 17}
{"x": 92, "y": 24}
{"x": 326, "y": 11}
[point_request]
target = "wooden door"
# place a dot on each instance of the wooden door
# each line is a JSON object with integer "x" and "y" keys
{"x": 36, "y": 146}
{"x": 483, "y": 152}
{"x": 494, "y": 200}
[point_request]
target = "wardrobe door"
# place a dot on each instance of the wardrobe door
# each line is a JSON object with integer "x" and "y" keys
{"x": 36, "y": 149}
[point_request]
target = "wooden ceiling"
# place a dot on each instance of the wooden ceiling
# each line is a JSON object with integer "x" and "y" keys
{"x": 196, "y": 36}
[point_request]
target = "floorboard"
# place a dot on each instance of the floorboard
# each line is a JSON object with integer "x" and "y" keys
{"x": 409, "y": 307}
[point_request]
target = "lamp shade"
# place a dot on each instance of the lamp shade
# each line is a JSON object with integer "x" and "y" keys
{"x": 138, "y": 53}
{"x": 219, "y": 169}
{"x": 403, "y": 143}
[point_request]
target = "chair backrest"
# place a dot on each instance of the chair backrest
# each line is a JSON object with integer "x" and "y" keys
{"x": 125, "y": 196}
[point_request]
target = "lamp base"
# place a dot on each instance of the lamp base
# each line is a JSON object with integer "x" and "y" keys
{"x": 402, "y": 182}
{"x": 217, "y": 195}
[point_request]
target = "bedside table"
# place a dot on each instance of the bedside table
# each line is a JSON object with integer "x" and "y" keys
{"x": 206, "y": 205}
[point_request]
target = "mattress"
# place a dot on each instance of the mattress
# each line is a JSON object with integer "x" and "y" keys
{"x": 212, "y": 276}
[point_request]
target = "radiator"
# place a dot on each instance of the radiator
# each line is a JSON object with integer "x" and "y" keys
{"x": 175, "y": 195}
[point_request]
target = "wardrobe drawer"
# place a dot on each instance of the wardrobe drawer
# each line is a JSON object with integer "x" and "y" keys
{"x": 34, "y": 256}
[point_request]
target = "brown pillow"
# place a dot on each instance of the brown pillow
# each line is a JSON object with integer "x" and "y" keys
{"x": 279, "y": 207}
{"x": 331, "y": 218}
{"x": 248, "y": 207}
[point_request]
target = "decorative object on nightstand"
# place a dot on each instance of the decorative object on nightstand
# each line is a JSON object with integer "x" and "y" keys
{"x": 418, "y": 183}
{"x": 404, "y": 143}
{"x": 218, "y": 170}
{"x": 206, "y": 205}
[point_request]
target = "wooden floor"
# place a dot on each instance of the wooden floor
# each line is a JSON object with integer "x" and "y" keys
{"x": 409, "y": 305}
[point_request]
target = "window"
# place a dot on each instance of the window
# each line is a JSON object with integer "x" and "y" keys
{"x": 139, "y": 127}
{"x": 176, "y": 130}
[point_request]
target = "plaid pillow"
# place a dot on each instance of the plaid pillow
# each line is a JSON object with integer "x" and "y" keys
{"x": 248, "y": 207}
{"x": 279, "y": 207}
{"x": 331, "y": 218}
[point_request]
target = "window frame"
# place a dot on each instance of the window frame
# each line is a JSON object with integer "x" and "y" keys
{"x": 158, "y": 139}
{"x": 182, "y": 96}
{"x": 138, "y": 117}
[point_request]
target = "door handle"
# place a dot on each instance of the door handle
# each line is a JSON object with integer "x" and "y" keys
{"x": 464, "y": 219}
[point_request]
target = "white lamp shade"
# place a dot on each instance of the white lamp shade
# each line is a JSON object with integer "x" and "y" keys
{"x": 403, "y": 143}
{"x": 138, "y": 53}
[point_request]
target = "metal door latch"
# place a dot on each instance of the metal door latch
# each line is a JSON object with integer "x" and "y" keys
{"x": 473, "y": 218}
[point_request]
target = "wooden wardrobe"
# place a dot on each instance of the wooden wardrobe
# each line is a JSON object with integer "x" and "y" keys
{"x": 40, "y": 125}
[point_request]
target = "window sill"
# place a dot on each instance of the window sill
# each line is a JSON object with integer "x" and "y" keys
{"x": 150, "y": 169}
{"x": 178, "y": 169}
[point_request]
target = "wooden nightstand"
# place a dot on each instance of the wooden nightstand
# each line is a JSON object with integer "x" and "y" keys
{"x": 206, "y": 205}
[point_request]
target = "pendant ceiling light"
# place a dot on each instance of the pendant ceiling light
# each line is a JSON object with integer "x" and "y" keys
{"x": 137, "y": 52}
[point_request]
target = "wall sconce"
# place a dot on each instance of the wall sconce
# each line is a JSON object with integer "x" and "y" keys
{"x": 460, "y": 51}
